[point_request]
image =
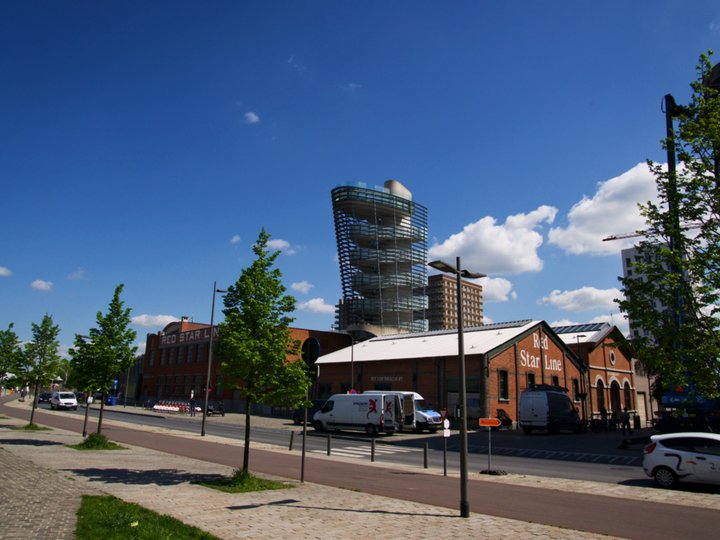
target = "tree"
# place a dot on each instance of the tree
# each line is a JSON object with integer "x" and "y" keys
{"x": 40, "y": 360}
{"x": 673, "y": 294}
{"x": 108, "y": 352}
{"x": 255, "y": 346}
{"x": 10, "y": 353}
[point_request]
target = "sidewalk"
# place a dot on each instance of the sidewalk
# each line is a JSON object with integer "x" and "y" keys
{"x": 46, "y": 479}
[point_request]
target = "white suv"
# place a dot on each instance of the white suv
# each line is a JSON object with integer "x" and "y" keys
{"x": 63, "y": 400}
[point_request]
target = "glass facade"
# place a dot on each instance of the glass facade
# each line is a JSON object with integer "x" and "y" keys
{"x": 381, "y": 236}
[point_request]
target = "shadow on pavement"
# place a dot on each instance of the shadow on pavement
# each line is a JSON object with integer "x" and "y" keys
{"x": 290, "y": 503}
{"x": 29, "y": 442}
{"x": 160, "y": 477}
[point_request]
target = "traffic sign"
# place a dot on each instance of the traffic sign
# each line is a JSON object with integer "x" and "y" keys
{"x": 489, "y": 422}
{"x": 446, "y": 424}
{"x": 446, "y": 432}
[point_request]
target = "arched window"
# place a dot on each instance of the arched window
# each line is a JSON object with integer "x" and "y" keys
{"x": 627, "y": 396}
{"x": 600, "y": 390}
{"x": 615, "y": 396}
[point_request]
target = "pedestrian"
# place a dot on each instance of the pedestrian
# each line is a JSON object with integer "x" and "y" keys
{"x": 625, "y": 421}
{"x": 192, "y": 402}
{"x": 603, "y": 417}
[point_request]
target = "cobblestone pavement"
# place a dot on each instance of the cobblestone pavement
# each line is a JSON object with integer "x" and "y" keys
{"x": 44, "y": 479}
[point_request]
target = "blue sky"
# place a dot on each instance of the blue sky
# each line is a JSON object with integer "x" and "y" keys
{"x": 147, "y": 143}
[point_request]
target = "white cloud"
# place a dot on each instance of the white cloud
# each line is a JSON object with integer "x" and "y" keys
{"x": 350, "y": 87}
{"x": 141, "y": 346}
{"x": 497, "y": 290}
{"x": 41, "y": 285}
{"x": 583, "y": 299}
{"x": 612, "y": 210}
{"x": 510, "y": 248}
{"x": 316, "y": 305}
{"x": 251, "y": 118}
{"x": 5, "y": 272}
{"x": 235, "y": 239}
{"x": 77, "y": 274}
{"x": 302, "y": 286}
{"x": 297, "y": 66}
{"x": 281, "y": 245}
{"x": 150, "y": 321}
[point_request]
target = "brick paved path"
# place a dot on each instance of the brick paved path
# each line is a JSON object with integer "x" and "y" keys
{"x": 36, "y": 502}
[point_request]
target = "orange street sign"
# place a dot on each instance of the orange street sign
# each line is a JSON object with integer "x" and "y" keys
{"x": 489, "y": 422}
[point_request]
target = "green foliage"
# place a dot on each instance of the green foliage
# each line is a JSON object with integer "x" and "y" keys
{"x": 243, "y": 482}
{"x": 680, "y": 267}
{"x": 30, "y": 427}
{"x": 255, "y": 342}
{"x": 112, "y": 519}
{"x": 108, "y": 352}
{"x": 10, "y": 356}
{"x": 257, "y": 353}
{"x": 97, "y": 441}
{"x": 40, "y": 361}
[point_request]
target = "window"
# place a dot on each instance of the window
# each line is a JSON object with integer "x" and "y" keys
{"x": 163, "y": 357}
{"x": 612, "y": 357}
{"x": 556, "y": 380}
{"x": 530, "y": 379}
{"x": 180, "y": 355}
{"x": 503, "y": 386}
{"x": 576, "y": 390}
{"x": 152, "y": 357}
{"x": 600, "y": 395}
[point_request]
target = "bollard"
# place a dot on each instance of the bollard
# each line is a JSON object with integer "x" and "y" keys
{"x": 445, "y": 457}
{"x": 328, "y": 443}
{"x": 372, "y": 449}
{"x": 292, "y": 436}
{"x": 425, "y": 456}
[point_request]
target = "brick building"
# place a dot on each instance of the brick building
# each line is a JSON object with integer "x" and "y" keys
{"x": 518, "y": 355}
{"x": 176, "y": 362}
{"x": 610, "y": 374}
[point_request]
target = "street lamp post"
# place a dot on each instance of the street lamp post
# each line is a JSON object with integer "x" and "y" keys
{"x": 582, "y": 395}
{"x": 460, "y": 273}
{"x": 209, "y": 362}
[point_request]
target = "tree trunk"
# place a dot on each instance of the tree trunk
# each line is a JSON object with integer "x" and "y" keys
{"x": 100, "y": 416}
{"x": 34, "y": 402}
{"x": 246, "y": 456}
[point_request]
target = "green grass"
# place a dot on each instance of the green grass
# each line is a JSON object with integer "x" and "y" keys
{"x": 97, "y": 441}
{"x": 242, "y": 482}
{"x": 30, "y": 427}
{"x": 109, "y": 518}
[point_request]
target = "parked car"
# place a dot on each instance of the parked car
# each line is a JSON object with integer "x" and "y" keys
{"x": 299, "y": 413}
{"x": 548, "y": 407}
{"x": 691, "y": 457}
{"x": 44, "y": 397}
{"x": 214, "y": 408}
{"x": 63, "y": 400}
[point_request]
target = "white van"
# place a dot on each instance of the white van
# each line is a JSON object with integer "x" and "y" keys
{"x": 415, "y": 414}
{"x": 547, "y": 407}
{"x": 373, "y": 414}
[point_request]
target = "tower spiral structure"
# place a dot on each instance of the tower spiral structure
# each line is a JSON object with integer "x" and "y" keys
{"x": 381, "y": 236}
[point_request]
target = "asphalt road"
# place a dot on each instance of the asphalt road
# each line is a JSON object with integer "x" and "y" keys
{"x": 594, "y": 457}
{"x": 594, "y": 513}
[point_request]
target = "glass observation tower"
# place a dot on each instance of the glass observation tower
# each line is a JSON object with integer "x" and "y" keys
{"x": 382, "y": 249}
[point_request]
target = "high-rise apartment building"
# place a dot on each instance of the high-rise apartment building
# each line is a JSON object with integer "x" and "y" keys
{"x": 381, "y": 236}
{"x": 442, "y": 298}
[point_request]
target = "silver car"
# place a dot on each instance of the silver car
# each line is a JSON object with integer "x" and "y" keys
{"x": 691, "y": 457}
{"x": 63, "y": 400}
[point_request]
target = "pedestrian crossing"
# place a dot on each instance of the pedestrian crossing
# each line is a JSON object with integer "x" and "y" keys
{"x": 364, "y": 452}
